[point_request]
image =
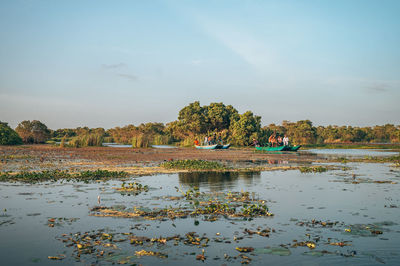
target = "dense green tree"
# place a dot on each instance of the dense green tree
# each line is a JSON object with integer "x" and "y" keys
{"x": 302, "y": 132}
{"x": 67, "y": 132}
{"x": 8, "y": 136}
{"x": 33, "y": 131}
{"x": 192, "y": 119}
{"x": 219, "y": 117}
{"x": 247, "y": 127}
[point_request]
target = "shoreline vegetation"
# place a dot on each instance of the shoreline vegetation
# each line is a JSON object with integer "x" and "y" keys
{"x": 79, "y": 154}
{"x": 39, "y": 163}
{"x": 195, "y": 122}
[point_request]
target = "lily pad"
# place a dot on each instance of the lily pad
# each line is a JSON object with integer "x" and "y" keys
{"x": 316, "y": 253}
{"x": 281, "y": 251}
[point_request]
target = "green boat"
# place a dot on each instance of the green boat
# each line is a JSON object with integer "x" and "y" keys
{"x": 292, "y": 148}
{"x": 279, "y": 148}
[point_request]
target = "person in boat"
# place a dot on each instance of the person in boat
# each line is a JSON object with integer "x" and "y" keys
{"x": 206, "y": 141}
{"x": 285, "y": 140}
{"x": 255, "y": 143}
{"x": 272, "y": 140}
{"x": 279, "y": 141}
{"x": 220, "y": 139}
{"x": 196, "y": 142}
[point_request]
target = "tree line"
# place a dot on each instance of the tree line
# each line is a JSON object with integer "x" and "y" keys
{"x": 196, "y": 122}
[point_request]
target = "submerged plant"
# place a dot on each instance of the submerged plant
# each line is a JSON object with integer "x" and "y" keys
{"x": 134, "y": 187}
{"x": 314, "y": 169}
{"x": 193, "y": 165}
{"x": 55, "y": 175}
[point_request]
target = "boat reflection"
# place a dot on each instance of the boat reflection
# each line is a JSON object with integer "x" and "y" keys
{"x": 218, "y": 180}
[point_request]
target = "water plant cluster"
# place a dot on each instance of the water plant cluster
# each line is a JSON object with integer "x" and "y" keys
{"x": 193, "y": 165}
{"x": 104, "y": 245}
{"x": 313, "y": 169}
{"x": 133, "y": 187}
{"x": 209, "y": 206}
{"x": 395, "y": 160}
{"x": 54, "y": 175}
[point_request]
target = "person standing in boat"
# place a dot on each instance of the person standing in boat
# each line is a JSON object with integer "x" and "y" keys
{"x": 272, "y": 140}
{"x": 285, "y": 140}
{"x": 279, "y": 140}
{"x": 256, "y": 143}
{"x": 205, "y": 141}
{"x": 220, "y": 139}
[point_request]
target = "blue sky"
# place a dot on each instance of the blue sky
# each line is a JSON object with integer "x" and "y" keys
{"x": 113, "y": 63}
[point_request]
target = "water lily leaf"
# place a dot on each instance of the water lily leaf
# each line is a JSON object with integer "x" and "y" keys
{"x": 316, "y": 253}
{"x": 281, "y": 251}
{"x": 35, "y": 260}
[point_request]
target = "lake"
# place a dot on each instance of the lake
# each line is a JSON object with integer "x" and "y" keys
{"x": 351, "y": 215}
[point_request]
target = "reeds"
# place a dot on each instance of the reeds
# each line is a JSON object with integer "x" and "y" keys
{"x": 140, "y": 141}
{"x": 63, "y": 142}
{"x": 144, "y": 141}
{"x": 86, "y": 140}
{"x": 161, "y": 140}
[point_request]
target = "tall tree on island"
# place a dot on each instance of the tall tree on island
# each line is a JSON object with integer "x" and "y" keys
{"x": 33, "y": 131}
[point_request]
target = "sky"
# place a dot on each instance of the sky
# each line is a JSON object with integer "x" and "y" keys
{"x": 113, "y": 63}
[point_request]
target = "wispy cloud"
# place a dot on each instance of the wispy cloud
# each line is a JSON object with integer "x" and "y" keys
{"x": 378, "y": 88}
{"x": 197, "y": 62}
{"x": 113, "y": 66}
{"x": 128, "y": 76}
{"x": 240, "y": 41}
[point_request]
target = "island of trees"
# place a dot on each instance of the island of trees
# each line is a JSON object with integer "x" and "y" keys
{"x": 195, "y": 122}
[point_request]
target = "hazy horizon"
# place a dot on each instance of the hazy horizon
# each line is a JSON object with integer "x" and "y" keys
{"x": 107, "y": 64}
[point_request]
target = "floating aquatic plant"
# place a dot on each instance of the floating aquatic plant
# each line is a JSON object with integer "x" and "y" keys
{"x": 193, "y": 165}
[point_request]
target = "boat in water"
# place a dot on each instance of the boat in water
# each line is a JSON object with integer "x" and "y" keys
{"x": 213, "y": 147}
{"x": 279, "y": 148}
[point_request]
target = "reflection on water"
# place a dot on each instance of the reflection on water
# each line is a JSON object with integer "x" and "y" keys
{"x": 218, "y": 180}
{"x": 117, "y": 145}
{"x": 352, "y": 152}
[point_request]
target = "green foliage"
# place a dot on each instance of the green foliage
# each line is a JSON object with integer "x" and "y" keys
{"x": 160, "y": 139}
{"x": 140, "y": 141}
{"x": 245, "y": 129}
{"x": 8, "y": 136}
{"x": 195, "y": 121}
{"x": 254, "y": 209}
{"x": 140, "y": 136}
{"x": 57, "y": 174}
{"x": 86, "y": 140}
{"x": 63, "y": 142}
{"x": 33, "y": 131}
{"x": 314, "y": 169}
{"x": 193, "y": 165}
{"x": 134, "y": 188}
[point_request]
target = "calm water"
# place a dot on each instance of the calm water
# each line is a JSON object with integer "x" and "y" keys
{"x": 292, "y": 196}
{"x": 353, "y": 152}
{"x": 116, "y": 145}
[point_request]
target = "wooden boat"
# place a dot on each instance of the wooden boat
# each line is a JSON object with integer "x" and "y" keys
{"x": 279, "y": 148}
{"x": 226, "y": 146}
{"x": 209, "y": 147}
{"x": 293, "y": 148}
{"x": 213, "y": 147}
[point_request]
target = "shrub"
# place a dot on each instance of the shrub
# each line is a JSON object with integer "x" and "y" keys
{"x": 8, "y": 136}
{"x": 33, "y": 131}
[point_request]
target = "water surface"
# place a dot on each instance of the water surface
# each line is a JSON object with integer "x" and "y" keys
{"x": 295, "y": 198}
